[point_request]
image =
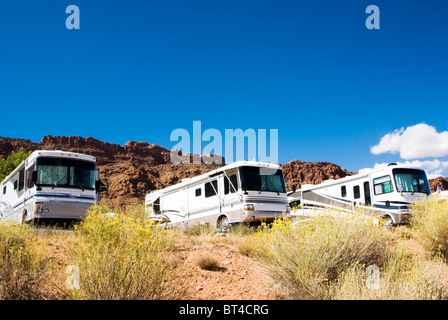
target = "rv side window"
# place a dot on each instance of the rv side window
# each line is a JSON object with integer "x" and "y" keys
{"x": 343, "y": 191}
{"x": 21, "y": 179}
{"x": 198, "y": 192}
{"x": 228, "y": 188}
{"x": 356, "y": 192}
{"x": 4, "y": 189}
{"x": 156, "y": 205}
{"x": 210, "y": 188}
{"x": 15, "y": 185}
{"x": 382, "y": 185}
{"x": 367, "y": 193}
{"x": 29, "y": 172}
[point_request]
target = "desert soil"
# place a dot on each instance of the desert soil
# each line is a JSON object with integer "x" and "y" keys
{"x": 238, "y": 277}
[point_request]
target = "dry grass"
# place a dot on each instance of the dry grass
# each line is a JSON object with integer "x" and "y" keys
{"x": 24, "y": 265}
{"x": 208, "y": 262}
{"x": 124, "y": 256}
{"x": 333, "y": 258}
{"x": 305, "y": 258}
{"x": 120, "y": 258}
{"x": 430, "y": 226}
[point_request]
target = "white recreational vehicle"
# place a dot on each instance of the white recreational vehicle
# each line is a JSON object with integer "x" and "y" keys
{"x": 50, "y": 184}
{"x": 243, "y": 191}
{"x": 385, "y": 192}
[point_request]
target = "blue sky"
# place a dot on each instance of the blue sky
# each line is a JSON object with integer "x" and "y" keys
{"x": 137, "y": 70}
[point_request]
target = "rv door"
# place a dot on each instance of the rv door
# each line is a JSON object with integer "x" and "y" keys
{"x": 231, "y": 198}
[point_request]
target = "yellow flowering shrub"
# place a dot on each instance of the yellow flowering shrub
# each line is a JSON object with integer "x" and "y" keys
{"x": 23, "y": 264}
{"x": 429, "y": 222}
{"x": 306, "y": 257}
{"x": 121, "y": 257}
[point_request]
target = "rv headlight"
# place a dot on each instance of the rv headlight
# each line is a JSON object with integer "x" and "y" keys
{"x": 248, "y": 207}
{"x": 38, "y": 208}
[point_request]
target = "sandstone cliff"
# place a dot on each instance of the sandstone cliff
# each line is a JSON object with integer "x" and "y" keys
{"x": 298, "y": 172}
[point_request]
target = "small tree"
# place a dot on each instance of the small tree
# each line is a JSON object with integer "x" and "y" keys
{"x": 12, "y": 161}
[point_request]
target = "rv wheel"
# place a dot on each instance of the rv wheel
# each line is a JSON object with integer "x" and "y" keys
{"x": 223, "y": 223}
{"x": 387, "y": 221}
{"x": 24, "y": 217}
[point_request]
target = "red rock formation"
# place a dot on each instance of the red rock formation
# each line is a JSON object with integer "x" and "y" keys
{"x": 298, "y": 172}
{"x": 438, "y": 182}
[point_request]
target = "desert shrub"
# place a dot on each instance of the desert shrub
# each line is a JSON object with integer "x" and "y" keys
{"x": 120, "y": 257}
{"x": 403, "y": 277}
{"x": 242, "y": 229}
{"x": 305, "y": 258}
{"x": 429, "y": 223}
{"x": 24, "y": 267}
{"x": 200, "y": 229}
{"x": 208, "y": 262}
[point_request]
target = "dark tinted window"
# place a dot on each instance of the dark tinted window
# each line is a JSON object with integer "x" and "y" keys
{"x": 343, "y": 191}
{"x": 356, "y": 192}
{"x": 262, "y": 179}
{"x": 21, "y": 179}
{"x": 228, "y": 188}
{"x": 211, "y": 188}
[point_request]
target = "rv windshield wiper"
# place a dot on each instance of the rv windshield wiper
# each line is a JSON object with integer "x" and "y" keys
{"x": 56, "y": 184}
{"x": 261, "y": 189}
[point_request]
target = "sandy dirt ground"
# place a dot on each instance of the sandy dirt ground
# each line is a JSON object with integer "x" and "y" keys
{"x": 237, "y": 276}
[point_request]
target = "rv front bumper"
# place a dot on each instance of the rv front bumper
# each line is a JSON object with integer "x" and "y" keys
{"x": 62, "y": 210}
{"x": 258, "y": 215}
{"x": 401, "y": 218}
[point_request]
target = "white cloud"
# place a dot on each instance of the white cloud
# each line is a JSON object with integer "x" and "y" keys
{"x": 433, "y": 168}
{"x": 418, "y": 141}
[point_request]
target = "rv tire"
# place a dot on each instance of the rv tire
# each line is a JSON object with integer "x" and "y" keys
{"x": 223, "y": 223}
{"x": 387, "y": 221}
{"x": 24, "y": 216}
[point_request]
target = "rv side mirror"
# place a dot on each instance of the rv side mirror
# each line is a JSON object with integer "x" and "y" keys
{"x": 244, "y": 187}
{"x": 100, "y": 186}
{"x": 294, "y": 188}
{"x": 34, "y": 176}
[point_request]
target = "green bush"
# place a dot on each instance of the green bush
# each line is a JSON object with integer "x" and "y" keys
{"x": 12, "y": 161}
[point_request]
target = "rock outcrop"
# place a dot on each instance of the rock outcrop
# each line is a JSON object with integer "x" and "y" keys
{"x": 438, "y": 182}
{"x": 298, "y": 172}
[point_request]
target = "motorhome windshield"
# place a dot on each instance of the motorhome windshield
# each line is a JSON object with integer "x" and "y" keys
{"x": 65, "y": 173}
{"x": 262, "y": 179}
{"x": 411, "y": 180}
